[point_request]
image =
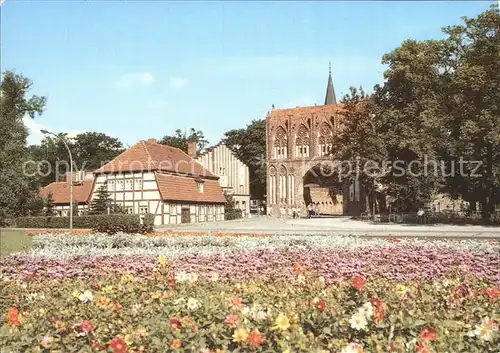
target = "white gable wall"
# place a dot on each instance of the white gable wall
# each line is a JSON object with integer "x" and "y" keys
{"x": 136, "y": 192}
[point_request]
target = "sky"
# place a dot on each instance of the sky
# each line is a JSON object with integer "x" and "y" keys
{"x": 142, "y": 69}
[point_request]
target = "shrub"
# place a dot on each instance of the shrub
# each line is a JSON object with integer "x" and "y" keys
{"x": 110, "y": 224}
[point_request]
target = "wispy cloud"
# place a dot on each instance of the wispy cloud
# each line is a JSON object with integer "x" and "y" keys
{"x": 178, "y": 83}
{"x": 134, "y": 79}
{"x": 35, "y": 137}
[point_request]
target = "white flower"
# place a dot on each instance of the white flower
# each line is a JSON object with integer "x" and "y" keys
{"x": 214, "y": 277}
{"x": 486, "y": 330}
{"x": 300, "y": 279}
{"x": 86, "y": 296}
{"x": 366, "y": 309}
{"x": 181, "y": 277}
{"x": 321, "y": 280}
{"x": 135, "y": 308}
{"x": 178, "y": 301}
{"x": 192, "y": 304}
{"x": 245, "y": 310}
{"x": 358, "y": 321}
{"x": 192, "y": 277}
{"x": 353, "y": 348}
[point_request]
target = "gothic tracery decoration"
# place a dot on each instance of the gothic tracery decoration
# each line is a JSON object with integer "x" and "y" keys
{"x": 302, "y": 142}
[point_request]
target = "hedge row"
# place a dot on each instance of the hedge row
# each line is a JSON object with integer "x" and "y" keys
{"x": 111, "y": 224}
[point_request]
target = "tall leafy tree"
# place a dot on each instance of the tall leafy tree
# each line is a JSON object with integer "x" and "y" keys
{"x": 249, "y": 145}
{"x": 180, "y": 139}
{"x": 90, "y": 151}
{"x": 439, "y": 103}
{"x": 474, "y": 95}
{"x": 18, "y": 182}
{"x": 359, "y": 145}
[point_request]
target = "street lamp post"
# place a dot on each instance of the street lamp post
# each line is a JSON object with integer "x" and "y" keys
{"x": 46, "y": 132}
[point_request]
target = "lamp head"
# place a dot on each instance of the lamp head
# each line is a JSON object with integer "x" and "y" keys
{"x": 43, "y": 131}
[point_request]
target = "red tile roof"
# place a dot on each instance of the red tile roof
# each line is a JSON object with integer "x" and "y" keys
{"x": 60, "y": 192}
{"x": 152, "y": 156}
{"x": 319, "y": 110}
{"x": 184, "y": 188}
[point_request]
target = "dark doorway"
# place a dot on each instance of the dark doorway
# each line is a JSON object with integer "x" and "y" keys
{"x": 185, "y": 215}
{"x": 323, "y": 190}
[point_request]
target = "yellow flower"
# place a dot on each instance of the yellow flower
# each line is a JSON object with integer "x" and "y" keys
{"x": 287, "y": 350}
{"x": 240, "y": 335}
{"x": 156, "y": 295}
{"x": 75, "y": 294}
{"x": 401, "y": 289}
{"x": 162, "y": 260}
{"x": 127, "y": 277}
{"x": 128, "y": 340}
{"x": 282, "y": 322}
{"x": 107, "y": 289}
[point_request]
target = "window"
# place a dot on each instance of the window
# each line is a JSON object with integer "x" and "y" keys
{"x": 119, "y": 185}
{"x": 130, "y": 210}
{"x": 111, "y": 185}
{"x": 173, "y": 209}
{"x": 200, "y": 186}
{"x": 280, "y": 144}
{"x": 138, "y": 184}
{"x": 143, "y": 209}
{"x": 302, "y": 142}
{"x": 129, "y": 184}
{"x": 222, "y": 171}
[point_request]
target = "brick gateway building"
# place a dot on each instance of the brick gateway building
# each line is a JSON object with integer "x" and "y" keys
{"x": 298, "y": 143}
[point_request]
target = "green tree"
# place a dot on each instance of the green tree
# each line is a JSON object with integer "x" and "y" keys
{"x": 93, "y": 149}
{"x": 439, "y": 102}
{"x": 100, "y": 203}
{"x": 49, "y": 205}
{"x": 90, "y": 151}
{"x": 181, "y": 139}
{"x": 249, "y": 145}
{"x": 230, "y": 210}
{"x": 18, "y": 181}
{"x": 473, "y": 99}
{"x": 359, "y": 144}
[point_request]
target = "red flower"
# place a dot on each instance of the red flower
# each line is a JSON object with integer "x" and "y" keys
{"x": 13, "y": 317}
{"x": 358, "y": 282}
{"x": 175, "y": 323}
{"x": 176, "y": 344}
{"x": 321, "y": 306}
{"x": 493, "y": 293}
{"x": 117, "y": 305}
{"x": 236, "y": 301}
{"x": 255, "y": 338}
{"x": 378, "y": 315}
{"x": 86, "y": 326}
{"x": 98, "y": 347}
{"x": 171, "y": 280}
{"x": 422, "y": 349}
{"x": 428, "y": 334}
{"x": 231, "y": 320}
{"x": 297, "y": 269}
{"x": 118, "y": 345}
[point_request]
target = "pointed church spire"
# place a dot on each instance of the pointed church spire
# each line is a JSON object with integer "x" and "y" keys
{"x": 330, "y": 92}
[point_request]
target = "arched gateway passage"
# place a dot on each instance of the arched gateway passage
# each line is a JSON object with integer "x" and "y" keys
{"x": 323, "y": 189}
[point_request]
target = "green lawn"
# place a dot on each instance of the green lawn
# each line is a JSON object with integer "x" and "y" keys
{"x": 12, "y": 241}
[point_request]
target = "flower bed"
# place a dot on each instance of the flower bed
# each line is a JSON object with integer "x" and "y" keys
{"x": 279, "y": 294}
